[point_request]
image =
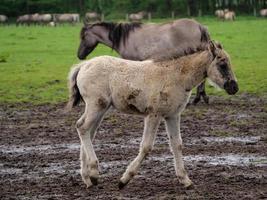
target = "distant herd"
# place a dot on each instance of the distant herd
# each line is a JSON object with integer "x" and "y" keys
{"x": 225, "y": 14}
{"x": 50, "y": 19}
{"x": 73, "y": 18}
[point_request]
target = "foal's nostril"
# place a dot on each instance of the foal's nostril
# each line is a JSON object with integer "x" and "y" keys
{"x": 234, "y": 86}
{"x": 231, "y": 87}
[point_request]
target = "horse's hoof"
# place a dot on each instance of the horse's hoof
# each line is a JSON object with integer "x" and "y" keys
{"x": 196, "y": 100}
{"x": 121, "y": 185}
{"x": 206, "y": 99}
{"x": 94, "y": 180}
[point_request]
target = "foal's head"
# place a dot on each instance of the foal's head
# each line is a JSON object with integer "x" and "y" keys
{"x": 220, "y": 71}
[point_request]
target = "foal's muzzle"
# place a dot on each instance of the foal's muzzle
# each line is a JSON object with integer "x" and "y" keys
{"x": 231, "y": 87}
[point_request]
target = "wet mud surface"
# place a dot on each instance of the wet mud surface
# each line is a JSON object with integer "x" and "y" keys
{"x": 224, "y": 153}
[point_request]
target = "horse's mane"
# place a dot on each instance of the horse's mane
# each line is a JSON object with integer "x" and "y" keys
{"x": 177, "y": 53}
{"x": 118, "y": 32}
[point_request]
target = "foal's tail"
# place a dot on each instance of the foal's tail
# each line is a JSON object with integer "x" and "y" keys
{"x": 74, "y": 93}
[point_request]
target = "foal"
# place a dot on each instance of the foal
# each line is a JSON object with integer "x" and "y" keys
{"x": 156, "y": 90}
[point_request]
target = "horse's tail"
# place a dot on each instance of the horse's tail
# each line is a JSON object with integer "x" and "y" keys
{"x": 74, "y": 93}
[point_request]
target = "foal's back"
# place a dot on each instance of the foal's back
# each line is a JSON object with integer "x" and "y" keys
{"x": 130, "y": 86}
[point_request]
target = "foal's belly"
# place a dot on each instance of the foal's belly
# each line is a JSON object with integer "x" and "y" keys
{"x": 144, "y": 102}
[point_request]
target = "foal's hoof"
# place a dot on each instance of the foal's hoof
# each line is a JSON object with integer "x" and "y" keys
{"x": 189, "y": 186}
{"x": 185, "y": 180}
{"x": 94, "y": 180}
{"x": 122, "y": 185}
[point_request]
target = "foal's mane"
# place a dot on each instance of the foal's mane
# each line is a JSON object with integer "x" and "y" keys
{"x": 118, "y": 32}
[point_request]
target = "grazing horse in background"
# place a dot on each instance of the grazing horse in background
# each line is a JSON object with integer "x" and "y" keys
{"x": 137, "y": 17}
{"x": 35, "y": 19}
{"x": 136, "y": 41}
{"x": 154, "y": 89}
{"x": 45, "y": 19}
{"x": 24, "y": 20}
{"x": 3, "y": 19}
{"x": 92, "y": 17}
{"x": 71, "y": 18}
{"x": 229, "y": 15}
{"x": 219, "y": 14}
{"x": 263, "y": 12}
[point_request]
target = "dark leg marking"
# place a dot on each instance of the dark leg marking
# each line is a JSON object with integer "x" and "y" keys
{"x": 134, "y": 94}
{"x": 80, "y": 122}
{"x": 201, "y": 93}
{"x": 102, "y": 103}
{"x": 197, "y": 98}
{"x": 133, "y": 108}
{"x": 164, "y": 96}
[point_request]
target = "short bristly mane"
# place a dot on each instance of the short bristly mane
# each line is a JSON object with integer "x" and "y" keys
{"x": 118, "y": 32}
{"x": 180, "y": 61}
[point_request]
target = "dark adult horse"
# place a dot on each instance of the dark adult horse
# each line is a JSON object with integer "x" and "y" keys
{"x": 136, "y": 41}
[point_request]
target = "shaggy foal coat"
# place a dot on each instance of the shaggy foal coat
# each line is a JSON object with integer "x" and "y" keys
{"x": 156, "y": 90}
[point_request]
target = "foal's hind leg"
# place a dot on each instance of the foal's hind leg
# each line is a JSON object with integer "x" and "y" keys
{"x": 173, "y": 130}
{"x": 150, "y": 129}
{"x": 201, "y": 93}
{"x": 86, "y": 127}
{"x": 83, "y": 158}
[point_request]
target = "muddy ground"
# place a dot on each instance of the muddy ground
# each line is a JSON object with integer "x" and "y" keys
{"x": 224, "y": 152}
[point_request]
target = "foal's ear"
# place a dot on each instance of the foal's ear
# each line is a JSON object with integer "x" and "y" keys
{"x": 212, "y": 48}
{"x": 218, "y": 45}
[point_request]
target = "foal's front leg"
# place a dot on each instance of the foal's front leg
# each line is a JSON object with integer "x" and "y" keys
{"x": 173, "y": 129}
{"x": 150, "y": 129}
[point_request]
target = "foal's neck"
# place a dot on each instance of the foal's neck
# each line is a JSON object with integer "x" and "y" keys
{"x": 193, "y": 68}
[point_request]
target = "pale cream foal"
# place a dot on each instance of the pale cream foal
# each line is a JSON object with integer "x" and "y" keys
{"x": 156, "y": 90}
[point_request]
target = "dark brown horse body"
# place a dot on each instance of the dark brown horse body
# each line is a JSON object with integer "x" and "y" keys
{"x": 136, "y": 41}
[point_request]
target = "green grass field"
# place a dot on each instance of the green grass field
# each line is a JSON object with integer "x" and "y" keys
{"x": 35, "y": 61}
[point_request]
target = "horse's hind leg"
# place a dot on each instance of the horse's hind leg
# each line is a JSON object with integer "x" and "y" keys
{"x": 173, "y": 130}
{"x": 86, "y": 127}
{"x": 85, "y": 167}
{"x": 201, "y": 93}
{"x": 150, "y": 129}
